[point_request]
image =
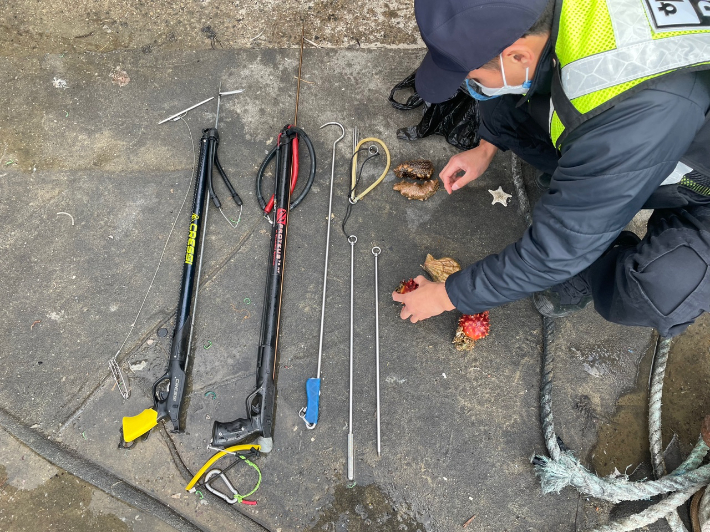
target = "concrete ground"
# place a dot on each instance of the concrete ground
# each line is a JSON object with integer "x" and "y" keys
{"x": 90, "y": 187}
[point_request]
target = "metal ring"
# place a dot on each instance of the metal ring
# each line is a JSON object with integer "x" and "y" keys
{"x": 351, "y": 201}
{"x": 373, "y": 149}
{"x": 376, "y": 253}
{"x": 352, "y": 239}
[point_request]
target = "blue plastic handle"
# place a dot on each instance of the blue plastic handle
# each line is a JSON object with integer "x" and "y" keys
{"x": 313, "y": 395}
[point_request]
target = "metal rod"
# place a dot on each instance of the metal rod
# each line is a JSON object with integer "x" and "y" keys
{"x": 298, "y": 85}
{"x": 309, "y": 413}
{"x": 176, "y": 115}
{"x": 327, "y": 244}
{"x": 376, "y": 252}
{"x": 351, "y": 444}
{"x": 219, "y": 101}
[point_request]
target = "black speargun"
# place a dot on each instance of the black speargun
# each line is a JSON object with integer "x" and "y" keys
{"x": 169, "y": 390}
{"x": 261, "y": 402}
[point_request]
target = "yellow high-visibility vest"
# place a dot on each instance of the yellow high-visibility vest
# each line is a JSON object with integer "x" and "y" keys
{"x": 606, "y": 50}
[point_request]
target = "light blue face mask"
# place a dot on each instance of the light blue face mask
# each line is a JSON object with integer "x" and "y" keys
{"x": 483, "y": 93}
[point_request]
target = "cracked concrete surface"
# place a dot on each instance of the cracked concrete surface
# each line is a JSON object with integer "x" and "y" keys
{"x": 458, "y": 430}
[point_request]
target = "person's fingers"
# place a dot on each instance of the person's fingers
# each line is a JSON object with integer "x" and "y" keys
{"x": 447, "y": 184}
{"x": 463, "y": 180}
{"x": 404, "y": 313}
{"x": 407, "y": 314}
{"x": 420, "y": 280}
{"x": 396, "y": 296}
{"x": 450, "y": 169}
{"x": 448, "y": 173}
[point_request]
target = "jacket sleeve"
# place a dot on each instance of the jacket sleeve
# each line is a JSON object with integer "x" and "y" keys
{"x": 490, "y": 112}
{"x": 609, "y": 166}
{"x": 498, "y": 116}
{"x": 507, "y": 125}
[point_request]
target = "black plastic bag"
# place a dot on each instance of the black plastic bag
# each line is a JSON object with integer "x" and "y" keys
{"x": 456, "y": 119}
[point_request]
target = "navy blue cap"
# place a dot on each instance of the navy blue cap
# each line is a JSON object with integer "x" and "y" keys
{"x": 463, "y": 35}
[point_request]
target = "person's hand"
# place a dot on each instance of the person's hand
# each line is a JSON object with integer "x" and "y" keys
{"x": 471, "y": 162}
{"x": 430, "y": 299}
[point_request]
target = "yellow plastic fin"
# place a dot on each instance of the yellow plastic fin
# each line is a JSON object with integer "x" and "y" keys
{"x": 220, "y": 454}
{"x": 136, "y": 426}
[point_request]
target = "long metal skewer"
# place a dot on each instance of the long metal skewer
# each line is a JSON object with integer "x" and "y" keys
{"x": 176, "y": 116}
{"x": 310, "y": 412}
{"x": 298, "y": 84}
{"x": 351, "y": 239}
{"x": 327, "y": 242}
{"x": 376, "y": 252}
{"x": 219, "y": 101}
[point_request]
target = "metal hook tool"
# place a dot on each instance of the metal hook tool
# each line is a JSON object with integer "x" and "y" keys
{"x": 310, "y": 412}
{"x": 351, "y": 445}
{"x": 376, "y": 252}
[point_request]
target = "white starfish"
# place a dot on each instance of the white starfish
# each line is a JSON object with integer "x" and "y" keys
{"x": 500, "y": 196}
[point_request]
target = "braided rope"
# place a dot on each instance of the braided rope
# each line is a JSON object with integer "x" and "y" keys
{"x": 562, "y": 469}
{"x": 548, "y": 425}
{"x": 567, "y": 471}
{"x": 649, "y": 515}
{"x": 654, "y": 406}
{"x": 654, "y": 422}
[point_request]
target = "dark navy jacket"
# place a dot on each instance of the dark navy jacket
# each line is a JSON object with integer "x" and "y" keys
{"x": 608, "y": 169}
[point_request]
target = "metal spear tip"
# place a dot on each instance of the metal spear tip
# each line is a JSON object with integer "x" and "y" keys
{"x": 178, "y": 116}
{"x": 227, "y": 93}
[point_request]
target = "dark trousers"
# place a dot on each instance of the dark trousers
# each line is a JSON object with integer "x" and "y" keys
{"x": 660, "y": 281}
{"x": 663, "y": 280}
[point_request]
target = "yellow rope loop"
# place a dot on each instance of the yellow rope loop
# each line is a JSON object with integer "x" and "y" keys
{"x": 353, "y": 198}
{"x": 208, "y": 464}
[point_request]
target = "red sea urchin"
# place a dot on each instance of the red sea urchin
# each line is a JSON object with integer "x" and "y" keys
{"x": 406, "y": 286}
{"x": 471, "y": 327}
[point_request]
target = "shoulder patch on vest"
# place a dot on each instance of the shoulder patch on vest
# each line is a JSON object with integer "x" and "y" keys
{"x": 678, "y": 15}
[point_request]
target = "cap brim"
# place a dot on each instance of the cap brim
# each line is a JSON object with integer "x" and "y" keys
{"x": 436, "y": 84}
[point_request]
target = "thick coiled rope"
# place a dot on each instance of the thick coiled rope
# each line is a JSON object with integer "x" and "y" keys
{"x": 561, "y": 468}
{"x": 654, "y": 423}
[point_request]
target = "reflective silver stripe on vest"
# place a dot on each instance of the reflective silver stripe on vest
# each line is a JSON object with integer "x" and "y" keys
{"x": 639, "y": 60}
{"x": 637, "y": 54}
{"x": 677, "y": 174}
{"x": 629, "y": 21}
